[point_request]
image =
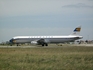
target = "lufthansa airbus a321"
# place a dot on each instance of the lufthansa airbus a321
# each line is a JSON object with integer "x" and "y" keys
{"x": 45, "y": 40}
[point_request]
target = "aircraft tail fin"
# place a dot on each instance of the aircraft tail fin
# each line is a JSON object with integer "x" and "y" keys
{"x": 76, "y": 31}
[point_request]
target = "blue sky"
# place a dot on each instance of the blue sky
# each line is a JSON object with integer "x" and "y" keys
{"x": 45, "y": 17}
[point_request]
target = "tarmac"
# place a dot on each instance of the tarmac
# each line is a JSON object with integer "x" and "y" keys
{"x": 49, "y": 46}
{"x": 87, "y": 45}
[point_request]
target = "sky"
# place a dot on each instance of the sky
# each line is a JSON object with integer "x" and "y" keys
{"x": 45, "y": 17}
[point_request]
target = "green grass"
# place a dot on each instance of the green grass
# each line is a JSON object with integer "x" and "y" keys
{"x": 64, "y": 58}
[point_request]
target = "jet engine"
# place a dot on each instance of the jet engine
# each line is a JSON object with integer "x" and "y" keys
{"x": 34, "y": 42}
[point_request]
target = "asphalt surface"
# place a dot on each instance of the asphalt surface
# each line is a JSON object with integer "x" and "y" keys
{"x": 49, "y": 46}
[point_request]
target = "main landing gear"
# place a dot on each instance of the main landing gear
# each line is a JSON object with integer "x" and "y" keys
{"x": 18, "y": 45}
{"x": 45, "y": 44}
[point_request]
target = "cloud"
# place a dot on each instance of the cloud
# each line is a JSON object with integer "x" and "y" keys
{"x": 38, "y": 7}
{"x": 79, "y": 5}
{"x": 43, "y": 17}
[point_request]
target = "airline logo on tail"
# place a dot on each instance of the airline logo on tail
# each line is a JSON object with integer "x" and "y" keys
{"x": 77, "y": 29}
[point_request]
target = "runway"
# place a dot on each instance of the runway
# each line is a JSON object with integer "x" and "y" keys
{"x": 50, "y": 46}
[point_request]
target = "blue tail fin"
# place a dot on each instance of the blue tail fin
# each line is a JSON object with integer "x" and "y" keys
{"x": 76, "y": 31}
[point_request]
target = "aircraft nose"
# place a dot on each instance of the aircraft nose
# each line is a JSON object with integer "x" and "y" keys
{"x": 11, "y": 41}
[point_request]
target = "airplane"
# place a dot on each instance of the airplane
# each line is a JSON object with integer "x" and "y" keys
{"x": 45, "y": 40}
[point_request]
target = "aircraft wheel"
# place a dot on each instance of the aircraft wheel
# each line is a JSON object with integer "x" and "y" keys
{"x": 17, "y": 44}
{"x": 42, "y": 44}
{"x": 11, "y": 45}
{"x": 46, "y": 44}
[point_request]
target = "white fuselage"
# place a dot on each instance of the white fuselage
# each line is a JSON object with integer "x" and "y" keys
{"x": 47, "y": 39}
{"x": 44, "y": 40}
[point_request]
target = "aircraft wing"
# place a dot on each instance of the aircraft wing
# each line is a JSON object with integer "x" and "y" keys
{"x": 40, "y": 41}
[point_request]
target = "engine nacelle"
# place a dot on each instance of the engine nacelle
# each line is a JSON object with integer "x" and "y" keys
{"x": 34, "y": 42}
